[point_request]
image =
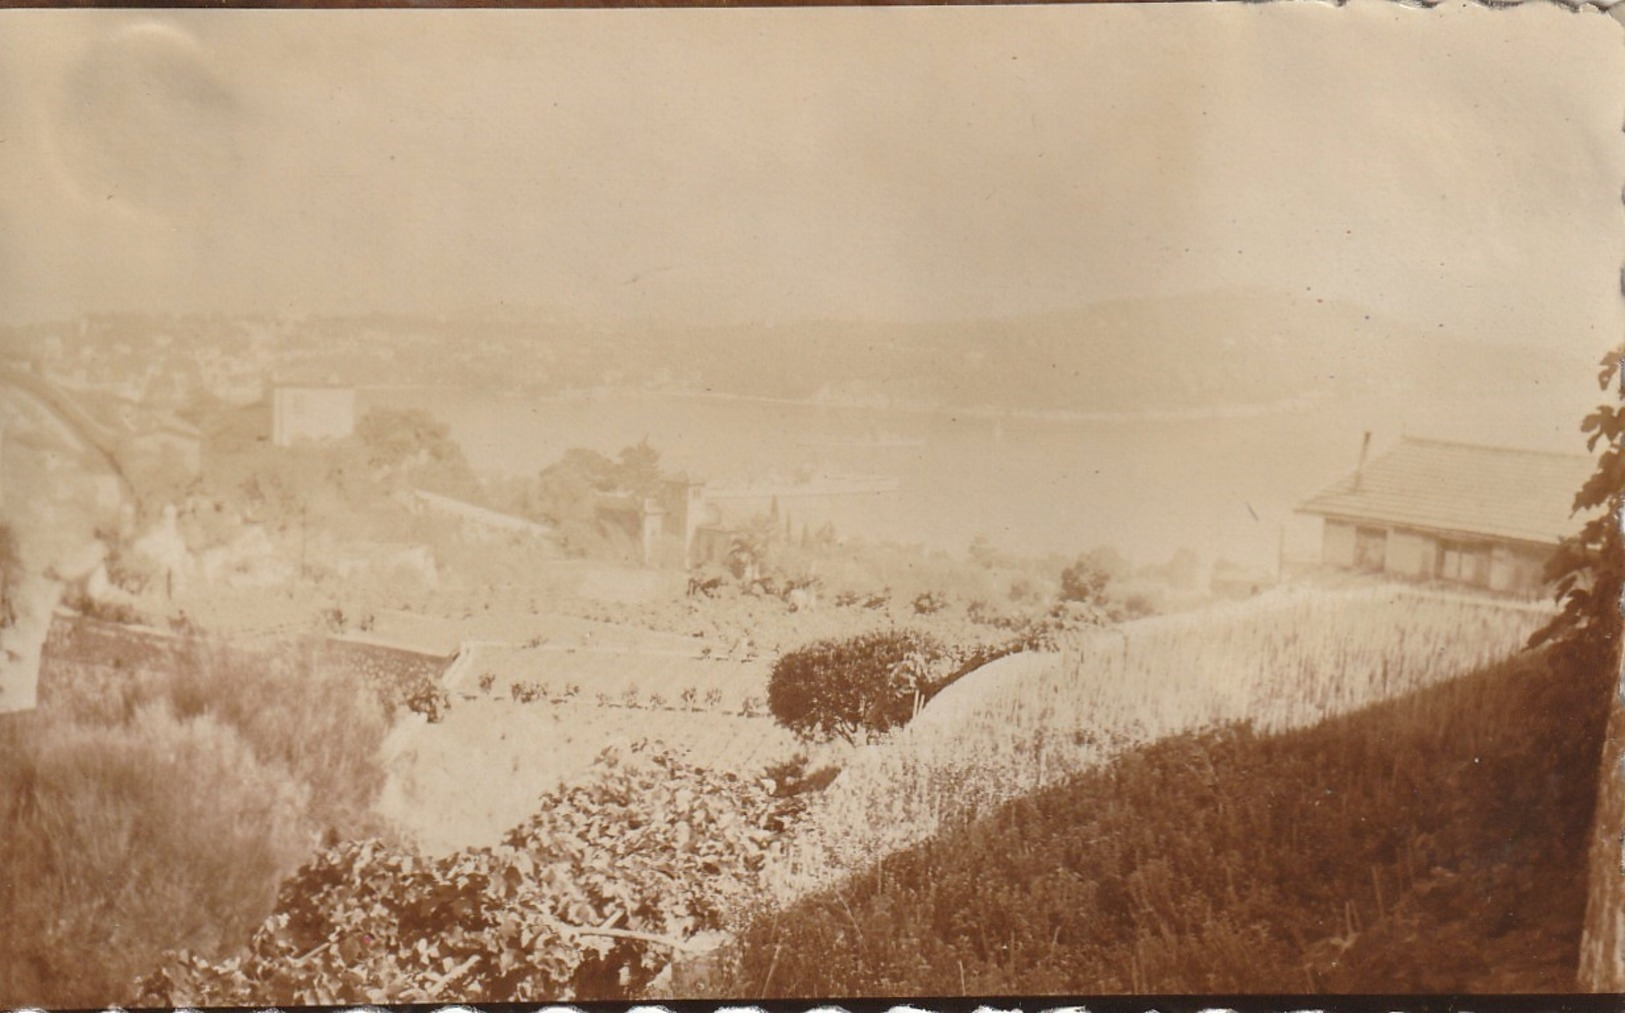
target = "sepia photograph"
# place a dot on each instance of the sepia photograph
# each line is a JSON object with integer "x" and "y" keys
{"x": 1113, "y": 504}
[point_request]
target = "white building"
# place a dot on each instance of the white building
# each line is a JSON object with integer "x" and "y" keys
{"x": 313, "y": 413}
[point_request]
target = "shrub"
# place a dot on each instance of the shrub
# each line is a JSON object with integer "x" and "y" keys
{"x": 155, "y": 802}
{"x": 871, "y": 682}
{"x": 123, "y": 840}
{"x": 929, "y": 602}
{"x": 430, "y": 701}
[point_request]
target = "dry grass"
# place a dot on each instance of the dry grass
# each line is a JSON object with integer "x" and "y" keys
{"x": 155, "y": 800}
{"x": 1434, "y": 843}
{"x": 1281, "y": 661}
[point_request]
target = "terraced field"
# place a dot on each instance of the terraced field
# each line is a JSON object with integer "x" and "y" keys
{"x": 523, "y": 720}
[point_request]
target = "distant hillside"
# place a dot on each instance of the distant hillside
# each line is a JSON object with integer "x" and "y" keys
{"x": 1196, "y": 351}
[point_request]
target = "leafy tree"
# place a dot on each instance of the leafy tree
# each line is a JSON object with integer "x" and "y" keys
{"x": 1587, "y": 569}
{"x": 568, "y": 494}
{"x": 839, "y": 687}
{"x": 637, "y": 470}
{"x": 565, "y": 490}
{"x": 413, "y": 447}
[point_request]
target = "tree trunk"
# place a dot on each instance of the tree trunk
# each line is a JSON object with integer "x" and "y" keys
{"x": 1602, "y": 941}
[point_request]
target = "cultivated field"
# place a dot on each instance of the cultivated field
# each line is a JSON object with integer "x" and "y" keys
{"x": 523, "y": 720}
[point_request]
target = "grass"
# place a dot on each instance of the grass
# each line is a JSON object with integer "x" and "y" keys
{"x": 155, "y": 799}
{"x": 1434, "y": 843}
{"x": 1279, "y": 661}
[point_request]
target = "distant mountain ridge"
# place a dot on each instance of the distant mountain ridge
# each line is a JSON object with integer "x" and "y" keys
{"x": 1206, "y": 351}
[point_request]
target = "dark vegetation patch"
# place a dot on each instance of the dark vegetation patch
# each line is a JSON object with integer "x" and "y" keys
{"x": 877, "y": 681}
{"x": 1432, "y": 844}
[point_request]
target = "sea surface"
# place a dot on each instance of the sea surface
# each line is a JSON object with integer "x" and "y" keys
{"x": 1220, "y": 481}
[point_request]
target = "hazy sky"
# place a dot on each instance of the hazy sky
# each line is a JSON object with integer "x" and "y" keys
{"x": 1457, "y": 165}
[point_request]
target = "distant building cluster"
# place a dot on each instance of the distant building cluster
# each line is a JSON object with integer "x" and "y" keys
{"x": 1437, "y": 510}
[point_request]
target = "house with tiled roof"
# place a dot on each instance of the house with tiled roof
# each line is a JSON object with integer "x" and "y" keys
{"x": 1441, "y": 510}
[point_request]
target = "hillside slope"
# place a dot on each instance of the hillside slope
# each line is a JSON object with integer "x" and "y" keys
{"x": 1284, "y": 660}
{"x": 1430, "y": 844}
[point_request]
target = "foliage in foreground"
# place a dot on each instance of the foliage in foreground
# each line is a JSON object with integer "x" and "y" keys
{"x": 156, "y": 798}
{"x": 1588, "y": 569}
{"x": 1588, "y": 573}
{"x": 589, "y": 898}
{"x": 1431, "y": 844}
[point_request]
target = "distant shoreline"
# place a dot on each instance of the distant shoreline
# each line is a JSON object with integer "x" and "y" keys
{"x": 1235, "y": 411}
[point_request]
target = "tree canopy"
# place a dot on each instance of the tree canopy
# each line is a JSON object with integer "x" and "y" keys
{"x": 413, "y": 447}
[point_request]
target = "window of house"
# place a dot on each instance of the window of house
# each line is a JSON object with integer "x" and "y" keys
{"x": 1464, "y": 562}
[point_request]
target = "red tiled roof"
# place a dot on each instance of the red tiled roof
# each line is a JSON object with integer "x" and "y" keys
{"x": 1442, "y": 485}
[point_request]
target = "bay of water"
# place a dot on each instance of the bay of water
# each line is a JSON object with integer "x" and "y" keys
{"x": 1222, "y": 484}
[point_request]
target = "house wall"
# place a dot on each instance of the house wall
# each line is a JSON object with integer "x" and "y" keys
{"x": 1410, "y": 554}
{"x": 1337, "y": 544}
{"x": 1503, "y": 567}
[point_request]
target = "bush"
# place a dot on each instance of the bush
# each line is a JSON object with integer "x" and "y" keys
{"x": 430, "y": 701}
{"x": 838, "y": 687}
{"x": 929, "y": 602}
{"x": 123, "y": 840}
{"x": 155, "y": 801}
